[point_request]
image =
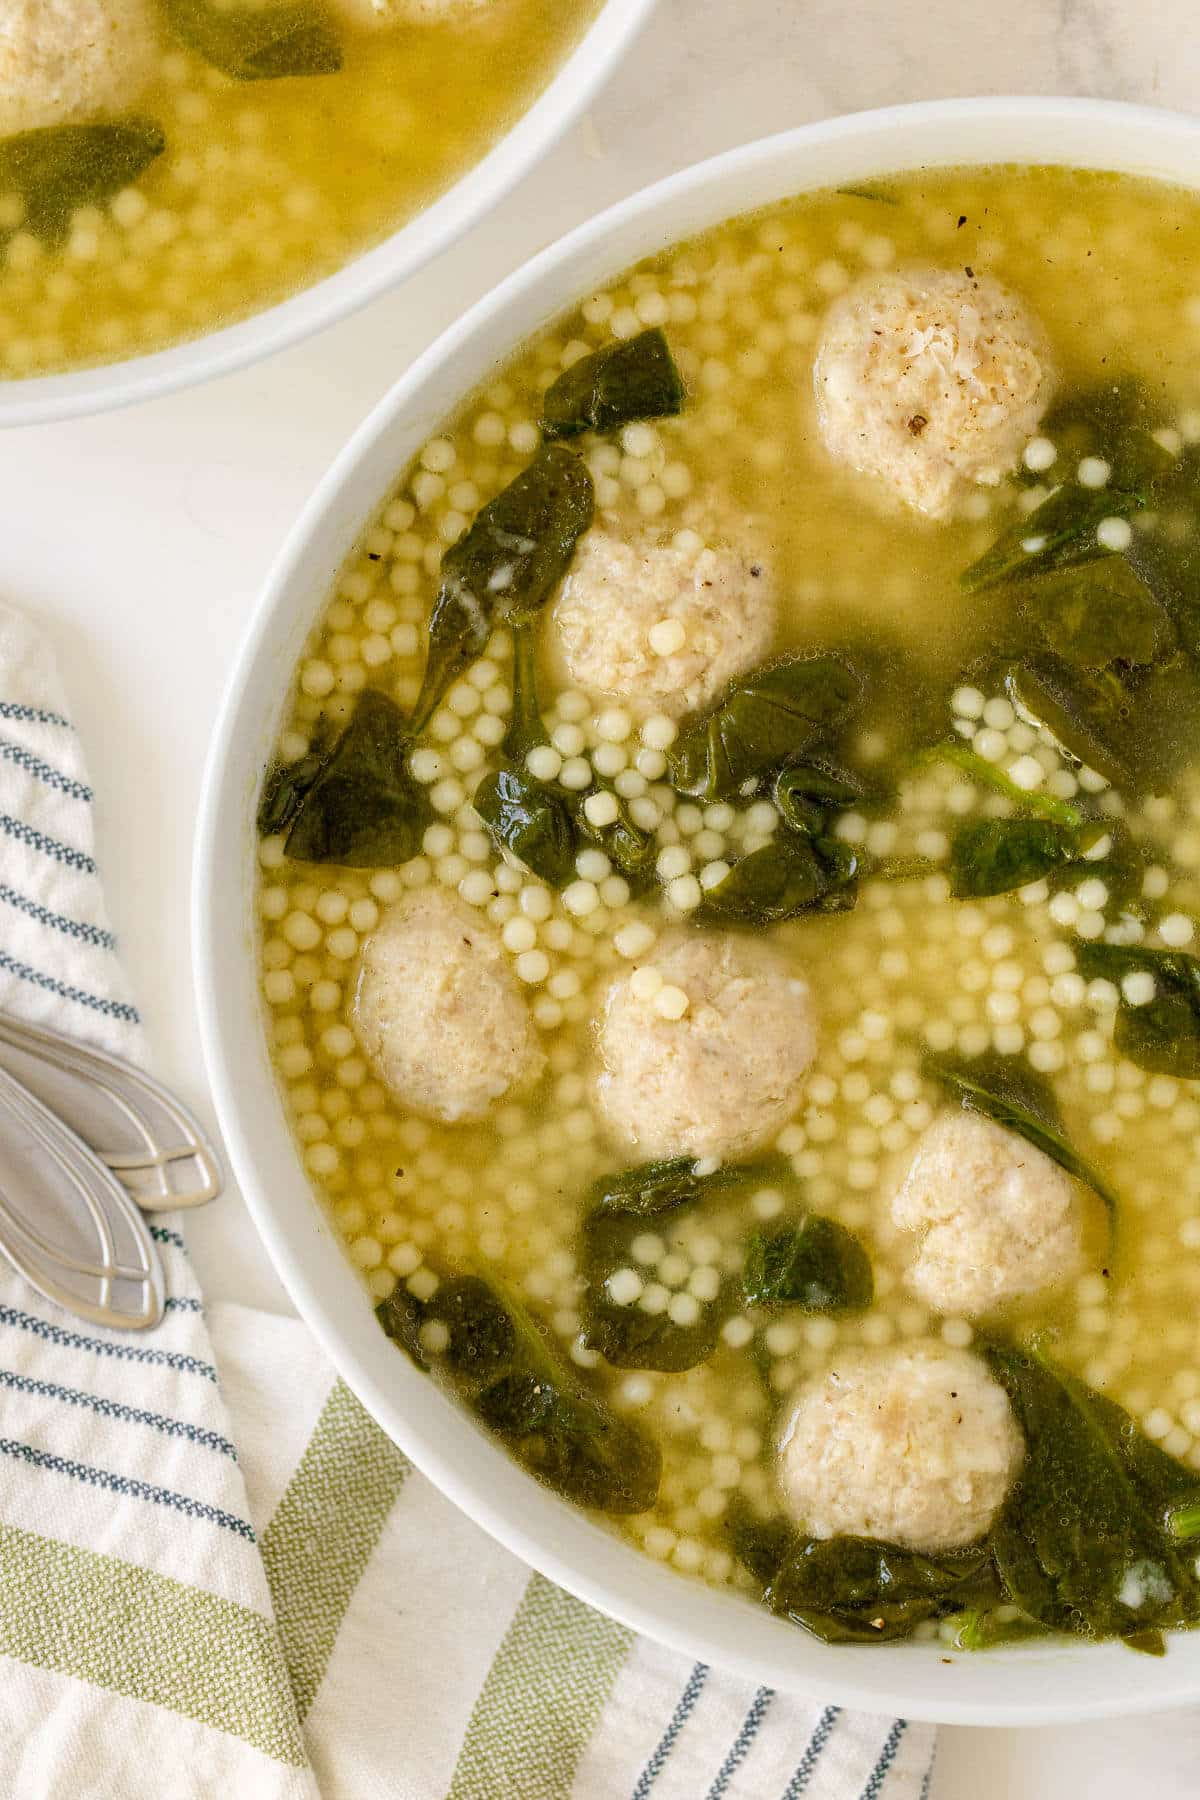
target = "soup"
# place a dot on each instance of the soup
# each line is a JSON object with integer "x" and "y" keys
{"x": 169, "y": 166}
{"x": 728, "y": 875}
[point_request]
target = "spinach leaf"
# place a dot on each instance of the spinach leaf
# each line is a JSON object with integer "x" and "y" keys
{"x": 852, "y": 1590}
{"x": 619, "y": 1205}
{"x": 1099, "y": 614}
{"x": 1121, "y": 867}
{"x": 1136, "y": 727}
{"x": 995, "y": 1622}
{"x": 363, "y": 808}
{"x": 1183, "y": 1521}
{"x": 531, "y": 820}
{"x": 505, "y": 566}
{"x": 625, "y": 380}
{"x": 1058, "y": 534}
{"x": 631, "y": 851}
{"x": 284, "y": 788}
{"x": 540, "y": 823}
{"x": 402, "y": 1316}
{"x": 768, "y": 717}
{"x": 859, "y": 1591}
{"x": 658, "y": 1187}
{"x": 59, "y": 168}
{"x": 1006, "y": 1089}
{"x": 526, "y": 730}
{"x": 880, "y": 195}
{"x": 1113, "y": 421}
{"x": 1115, "y": 672}
{"x": 630, "y": 1337}
{"x": 809, "y": 795}
{"x": 782, "y": 879}
{"x": 1082, "y": 1543}
{"x": 575, "y": 1444}
{"x": 813, "y": 1263}
{"x": 501, "y": 1363}
{"x": 994, "y": 856}
{"x": 961, "y": 756}
{"x": 249, "y": 43}
{"x": 1163, "y": 1035}
{"x": 1114, "y": 668}
{"x": 1167, "y": 559}
{"x": 759, "y": 1544}
{"x": 286, "y": 784}
{"x": 482, "y": 1335}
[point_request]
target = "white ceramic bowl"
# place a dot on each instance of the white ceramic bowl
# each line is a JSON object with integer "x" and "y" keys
{"x": 42, "y": 398}
{"x": 1016, "y": 1686}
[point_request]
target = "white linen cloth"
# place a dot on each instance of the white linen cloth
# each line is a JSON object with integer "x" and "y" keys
{"x": 303, "y": 1617}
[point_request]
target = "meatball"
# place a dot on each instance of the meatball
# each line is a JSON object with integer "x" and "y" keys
{"x": 930, "y": 380}
{"x": 721, "y": 1079}
{"x": 439, "y": 1011}
{"x": 916, "y": 1446}
{"x": 666, "y": 627}
{"x": 998, "y": 1219}
{"x": 67, "y": 60}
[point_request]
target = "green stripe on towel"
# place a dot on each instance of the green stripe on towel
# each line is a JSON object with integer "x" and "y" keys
{"x": 144, "y": 1635}
{"x": 542, "y": 1699}
{"x": 324, "y": 1530}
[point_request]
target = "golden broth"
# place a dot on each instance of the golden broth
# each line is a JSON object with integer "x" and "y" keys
{"x": 1108, "y": 265}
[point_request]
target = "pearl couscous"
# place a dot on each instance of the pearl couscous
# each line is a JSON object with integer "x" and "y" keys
{"x": 812, "y": 879}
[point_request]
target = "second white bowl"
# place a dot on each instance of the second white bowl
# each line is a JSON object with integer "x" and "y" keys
{"x": 42, "y": 398}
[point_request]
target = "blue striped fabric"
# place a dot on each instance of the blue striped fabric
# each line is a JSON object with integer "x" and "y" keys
{"x": 116, "y": 1409}
{"x": 44, "y": 771}
{"x": 812, "y": 1755}
{"x": 48, "y": 846}
{"x": 73, "y": 928}
{"x": 162, "y": 1234}
{"x": 759, "y": 1707}
{"x": 116, "y": 1443}
{"x": 76, "y": 1340}
{"x": 679, "y": 1718}
{"x": 111, "y": 1009}
{"x": 887, "y": 1757}
{"x": 32, "y": 715}
{"x": 123, "y": 1484}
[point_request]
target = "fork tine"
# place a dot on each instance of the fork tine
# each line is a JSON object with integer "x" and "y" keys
{"x": 147, "y": 1137}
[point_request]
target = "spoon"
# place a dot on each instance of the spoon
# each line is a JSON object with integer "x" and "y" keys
{"x": 147, "y": 1138}
{"x": 67, "y": 1224}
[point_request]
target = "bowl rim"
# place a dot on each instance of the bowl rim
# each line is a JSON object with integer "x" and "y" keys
{"x": 564, "y": 1545}
{"x": 105, "y": 387}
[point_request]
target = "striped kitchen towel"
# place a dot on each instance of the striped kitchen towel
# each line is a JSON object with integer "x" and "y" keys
{"x": 302, "y": 1616}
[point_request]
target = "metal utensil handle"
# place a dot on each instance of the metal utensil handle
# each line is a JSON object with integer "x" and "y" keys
{"x": 167, "y": 1135}
{"x": 101, "y": 1199}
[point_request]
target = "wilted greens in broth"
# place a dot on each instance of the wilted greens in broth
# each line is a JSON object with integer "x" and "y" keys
{"x": 729, "y": 882}
{"x": 168, "y": 166}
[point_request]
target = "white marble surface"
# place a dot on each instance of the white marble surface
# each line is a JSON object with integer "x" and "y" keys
{"x": 142, "y": 538}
